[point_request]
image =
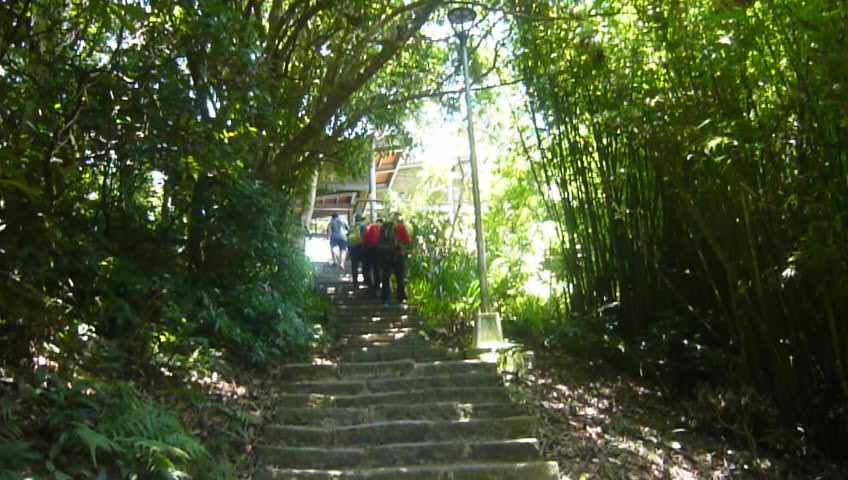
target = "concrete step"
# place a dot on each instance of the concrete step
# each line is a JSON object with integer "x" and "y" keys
{"x": 451, "y": 394}
{"x": 400, "y": 431}
{"x": 379, "y": 338}
{"x": 361, "y": 328}
{"x": 369, "y": 308}
{"x": 400, "y": 321}
{"x": 391, "y": 384}
{"x": 348, "y": 290}
{"x": 395, "y": 352}
{"x": 368, "y": 312}
{"x": 362, "y": 298}
{"x": 391, "y": 412}
{"x": 408, "y": 337}
{"x": 471, "y": 471}
{"x": 398, "y": 352}
{"x": 377, "y": 369}
{"x": 456, "y": 367}
{"x": 406, "y": 367}
{"x": 399, "y": 317}
{"x": 306, "y": 371}
{"x": 400, "y": 454}
{"x": 419, "y": 382}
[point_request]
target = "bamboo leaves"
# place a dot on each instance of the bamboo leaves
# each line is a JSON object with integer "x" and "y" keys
{"x": 693, "y": 143}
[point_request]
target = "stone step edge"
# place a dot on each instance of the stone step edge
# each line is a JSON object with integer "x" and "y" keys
{"x": 406, "y": 422}
{"x": 388, "y": 393}
{"x": 398, "y": 454}
{"x": 388, "y": 407}
{"x": 380, "y": 365}
{"x": 383, "y": 336}
{"x": 364, "y": 449}
{"x": 365, "y": 382}
{"x": 540, "y": 470}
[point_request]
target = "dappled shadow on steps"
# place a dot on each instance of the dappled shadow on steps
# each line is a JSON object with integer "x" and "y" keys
{"x": 392, "y": 406}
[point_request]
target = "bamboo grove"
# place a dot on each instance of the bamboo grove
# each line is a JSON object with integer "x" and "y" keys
{"x": 695, "y": 157}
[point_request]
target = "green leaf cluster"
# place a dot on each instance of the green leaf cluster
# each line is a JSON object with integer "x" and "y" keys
{"x": 693, "y": 155}
{"x": 93, "y": 430}
{"x": 153, "y": 162}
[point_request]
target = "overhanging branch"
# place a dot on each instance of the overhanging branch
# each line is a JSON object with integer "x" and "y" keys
{"x": 343, "y": 91}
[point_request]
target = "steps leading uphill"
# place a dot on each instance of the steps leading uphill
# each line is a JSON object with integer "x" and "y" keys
{"x": 395, "y": 407}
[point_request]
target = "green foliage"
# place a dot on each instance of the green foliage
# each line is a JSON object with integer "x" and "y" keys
{"x": 692, "y": 156}
{"x": 89, "y": 429}
{"x": 442, "y": 278}
{"x": 152, "y": 162}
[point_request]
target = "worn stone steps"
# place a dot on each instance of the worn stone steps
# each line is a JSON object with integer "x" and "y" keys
{"x": 364, "y": 333}
{"x": 537, "y": 470}
{"x": 400, "y": 431}
{"x": 390, "y": 384}
{"x": 371, "y": 317}
{"x": 365, "y": 308}
{"x": 400, "y": 454}
{"x": 390, "y": 412}
{"x": 387, "y": 404}
{"x": 383, "y": 353}
{"x": 306, "y": 371}
{"x": 374, "y": 328}
{"x": 449, "y": 394}
{"x": 378, "y": 338}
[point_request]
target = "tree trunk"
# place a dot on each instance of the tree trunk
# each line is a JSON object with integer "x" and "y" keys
{"x": 309, "y": 201}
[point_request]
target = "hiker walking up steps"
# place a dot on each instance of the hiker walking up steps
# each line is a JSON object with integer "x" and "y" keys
{"x": 395, "y": 242}
{"x": 337, "y": 233}
{"x": 357, "y": 251}
{"x": 372, "y": 257}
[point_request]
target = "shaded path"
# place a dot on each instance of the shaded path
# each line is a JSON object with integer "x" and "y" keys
{"x": 394, "y": 406}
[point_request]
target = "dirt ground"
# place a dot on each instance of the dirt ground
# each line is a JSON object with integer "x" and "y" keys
{"x": 602, "y": 426}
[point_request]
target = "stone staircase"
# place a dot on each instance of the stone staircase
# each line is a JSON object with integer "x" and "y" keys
{"x": 392, "y": 406}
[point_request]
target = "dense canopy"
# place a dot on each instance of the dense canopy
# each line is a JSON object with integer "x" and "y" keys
{"x": 156, "y": 157}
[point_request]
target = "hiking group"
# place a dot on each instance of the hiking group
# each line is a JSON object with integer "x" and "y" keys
{"x": 379, "y": 249}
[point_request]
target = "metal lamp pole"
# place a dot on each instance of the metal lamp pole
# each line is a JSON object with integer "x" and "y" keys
{"x": 460, "y": 19}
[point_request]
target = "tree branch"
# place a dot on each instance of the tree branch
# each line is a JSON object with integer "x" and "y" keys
{"x": 343, "y": 91}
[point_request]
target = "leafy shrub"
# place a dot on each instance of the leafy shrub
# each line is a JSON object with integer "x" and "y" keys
{"x": 443, "y": 280}
{"x": 258, "y": 296}
{"x": 88, "y": 429}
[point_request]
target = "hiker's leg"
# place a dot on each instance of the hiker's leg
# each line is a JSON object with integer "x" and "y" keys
{"x": 342, "y": 253}
{"x": 373, "y": 271}
{"x": 354, "y": 265}
{"x": 400, "y": 273}
{"x": 360, "y": 264}
{"x": 336, "y": 250}
{"x": 378, "y": 272}
{"x": 386, "y": 267}
{"x": 363, "y": 261}
{"x": 357, "y": 262}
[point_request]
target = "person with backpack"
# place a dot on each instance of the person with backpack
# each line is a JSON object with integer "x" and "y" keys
{"x": 337, "y": 233}
{"x": 370, "y": 244}
{"x": 357, "y": 250}
{"x": 395, "y": 243}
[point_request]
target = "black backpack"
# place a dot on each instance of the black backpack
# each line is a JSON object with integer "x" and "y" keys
{"x": 388, "y": 237}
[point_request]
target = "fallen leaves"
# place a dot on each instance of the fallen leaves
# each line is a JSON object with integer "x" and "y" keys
{"x": 606, "y": 427}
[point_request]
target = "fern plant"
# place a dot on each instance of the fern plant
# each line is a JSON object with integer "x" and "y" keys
{"x": 85, "y": 429}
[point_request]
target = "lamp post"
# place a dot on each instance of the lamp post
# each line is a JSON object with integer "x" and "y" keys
{"x": 488, "y": 329}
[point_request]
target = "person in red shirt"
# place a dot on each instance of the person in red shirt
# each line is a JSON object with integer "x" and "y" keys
{"x": 371, "y": 255}
{"x": 392, "y": 249}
